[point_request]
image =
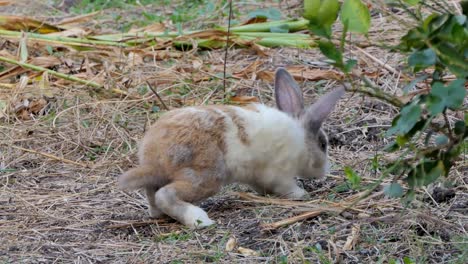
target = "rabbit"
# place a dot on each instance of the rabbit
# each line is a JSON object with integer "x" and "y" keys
{"x": 191, "y": 152}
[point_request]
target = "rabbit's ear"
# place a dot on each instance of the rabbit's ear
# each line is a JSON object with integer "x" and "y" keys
{"x": 318, "y": 112}
{"x": 288, "y": 94}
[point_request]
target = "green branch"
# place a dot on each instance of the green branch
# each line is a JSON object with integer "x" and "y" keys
{"x": 51, "y": 72}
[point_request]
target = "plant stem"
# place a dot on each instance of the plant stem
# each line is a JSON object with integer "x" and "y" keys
{"x": 51, "y": 72}
{"x": 377, "y": 93}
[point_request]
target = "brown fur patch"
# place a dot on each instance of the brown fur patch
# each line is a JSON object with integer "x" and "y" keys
{"x": 186, "y": 138}
{"x": 238, "y": 122}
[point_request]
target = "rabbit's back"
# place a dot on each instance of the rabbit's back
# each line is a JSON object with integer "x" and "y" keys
{"x": 230, "y": 143}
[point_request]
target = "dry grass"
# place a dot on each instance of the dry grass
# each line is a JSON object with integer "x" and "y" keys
{"x": 58, "y": 196}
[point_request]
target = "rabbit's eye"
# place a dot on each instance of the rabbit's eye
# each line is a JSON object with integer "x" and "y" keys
{"x": 322, "y": 142}
{"x": 323, "y": 145}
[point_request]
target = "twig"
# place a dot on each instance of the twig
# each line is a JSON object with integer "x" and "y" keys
{"x": 377, "y": 93}
{"x": 51, "y": 72}
{"x": 266, "y": 200}
{"x": 291, "y": 220}
{"x": 449, "y": 127}
{"x": 227, "y": 47}
{"x": 134, "y": 224}
{"x": 157, "y": 95}
{"x": 381, "y": 63}
{"x": 52, "y": 156}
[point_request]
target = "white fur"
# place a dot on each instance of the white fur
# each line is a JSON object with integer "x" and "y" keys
{"x": 275, "y": 150}
{"x": 195, "y": 217}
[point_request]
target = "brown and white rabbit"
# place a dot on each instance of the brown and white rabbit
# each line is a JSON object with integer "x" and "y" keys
{"x": 190, "y": 153}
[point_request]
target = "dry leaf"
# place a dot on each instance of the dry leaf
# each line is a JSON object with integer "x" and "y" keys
{"x": 254, "y": 20}
{"x": 18, "y": 23}
{"x": 231, "y": 244}
{"x": 5, "y": 3}
{"x": 353, "y": 238}
{"x": 244, "y": 99}
{"x": 5, "y": 53}
{"x": 248, "y": 71}
{"x": 79, "y": 19}
{"x": 71, "y": 32}
{"x": 37, "y": 105}
{"x": 196, "y": 64}
{"x": 247, "y": 252}
{"x": 44, "y": 85}
{"x": 153, "y": 28}
{"x": 301, "y": 73}
{"x": 363, "y": 215}
{"x": 134, "y": 59}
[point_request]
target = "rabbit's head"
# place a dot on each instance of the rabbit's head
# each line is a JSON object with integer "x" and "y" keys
{"x": 289, "y": 99}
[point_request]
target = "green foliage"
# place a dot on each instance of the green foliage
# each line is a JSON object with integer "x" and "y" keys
{"x": 422, "y": 59}
{"x": 269, "y": 13}
{"x": 355, "y": 15}
{"x": 353, "y": 178}
{"x": 321, "y": 14}
{"x": 442, "y": 97}
{"x": 406, "y": 120}
{"x": 394, "y": 190}
{"x": 438, "y": 41}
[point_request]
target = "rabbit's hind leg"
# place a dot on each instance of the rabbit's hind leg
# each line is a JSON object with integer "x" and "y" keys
{"x": 173, "y": 200}
{"x": 153, "y": 209}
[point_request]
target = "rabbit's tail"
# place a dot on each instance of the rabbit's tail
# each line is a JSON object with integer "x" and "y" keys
{"x": 139, "y": 177}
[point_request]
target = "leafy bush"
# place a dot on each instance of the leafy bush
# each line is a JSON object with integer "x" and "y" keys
{"x": 439, "y": 41}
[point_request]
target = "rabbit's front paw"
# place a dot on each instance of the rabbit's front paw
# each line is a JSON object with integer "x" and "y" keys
{"x": 291, "y": 191}
{"x": 298, "y": 193}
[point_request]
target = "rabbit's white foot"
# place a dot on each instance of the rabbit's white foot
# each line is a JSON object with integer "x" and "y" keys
{"x": 291, "y": 191}
{"x": 195, "y": 217}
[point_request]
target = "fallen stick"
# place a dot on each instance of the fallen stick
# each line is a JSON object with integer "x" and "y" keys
{"x": 266, "y": 200}
{"x": 52, "y": 156}
{"x": 135, "y": 224}
{"x": 291, "y": 220}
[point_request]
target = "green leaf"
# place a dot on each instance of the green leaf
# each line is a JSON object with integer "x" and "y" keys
{"x": 450, "y": 96}
{"x": 409, "y": 196}
{"x": 401, "y": 140}
{"x": 422, "y": 59}
{"x": 321, "y": 15}
{"x": 459, "y": 127}
{"x": 407, "y": 260}
{"x": 349, "y": 65}
{"x": 411, "y": 2}
{"x": 435, "y": 173}
{"x": 413, "y": 83}
{"x": 270, "y": 13}
{"x": 284, "y": 28}
{"x": 452, "y": 58}
{"x": 425, "y": 173}
{"x": 311, "y": 9}
{"x": 352, "y": 177}
{"x": 406, "y": 120}
{"x": 356, "y": 16}
{"x": 328, "y": 12}
{"x": 392, "y": 147}
{"x": 328, "y": 49}
{"x": 441, "y": 140}
{"x": 394, "y": 190}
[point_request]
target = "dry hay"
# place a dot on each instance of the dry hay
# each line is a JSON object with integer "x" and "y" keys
{"x": 59, "y": 201}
